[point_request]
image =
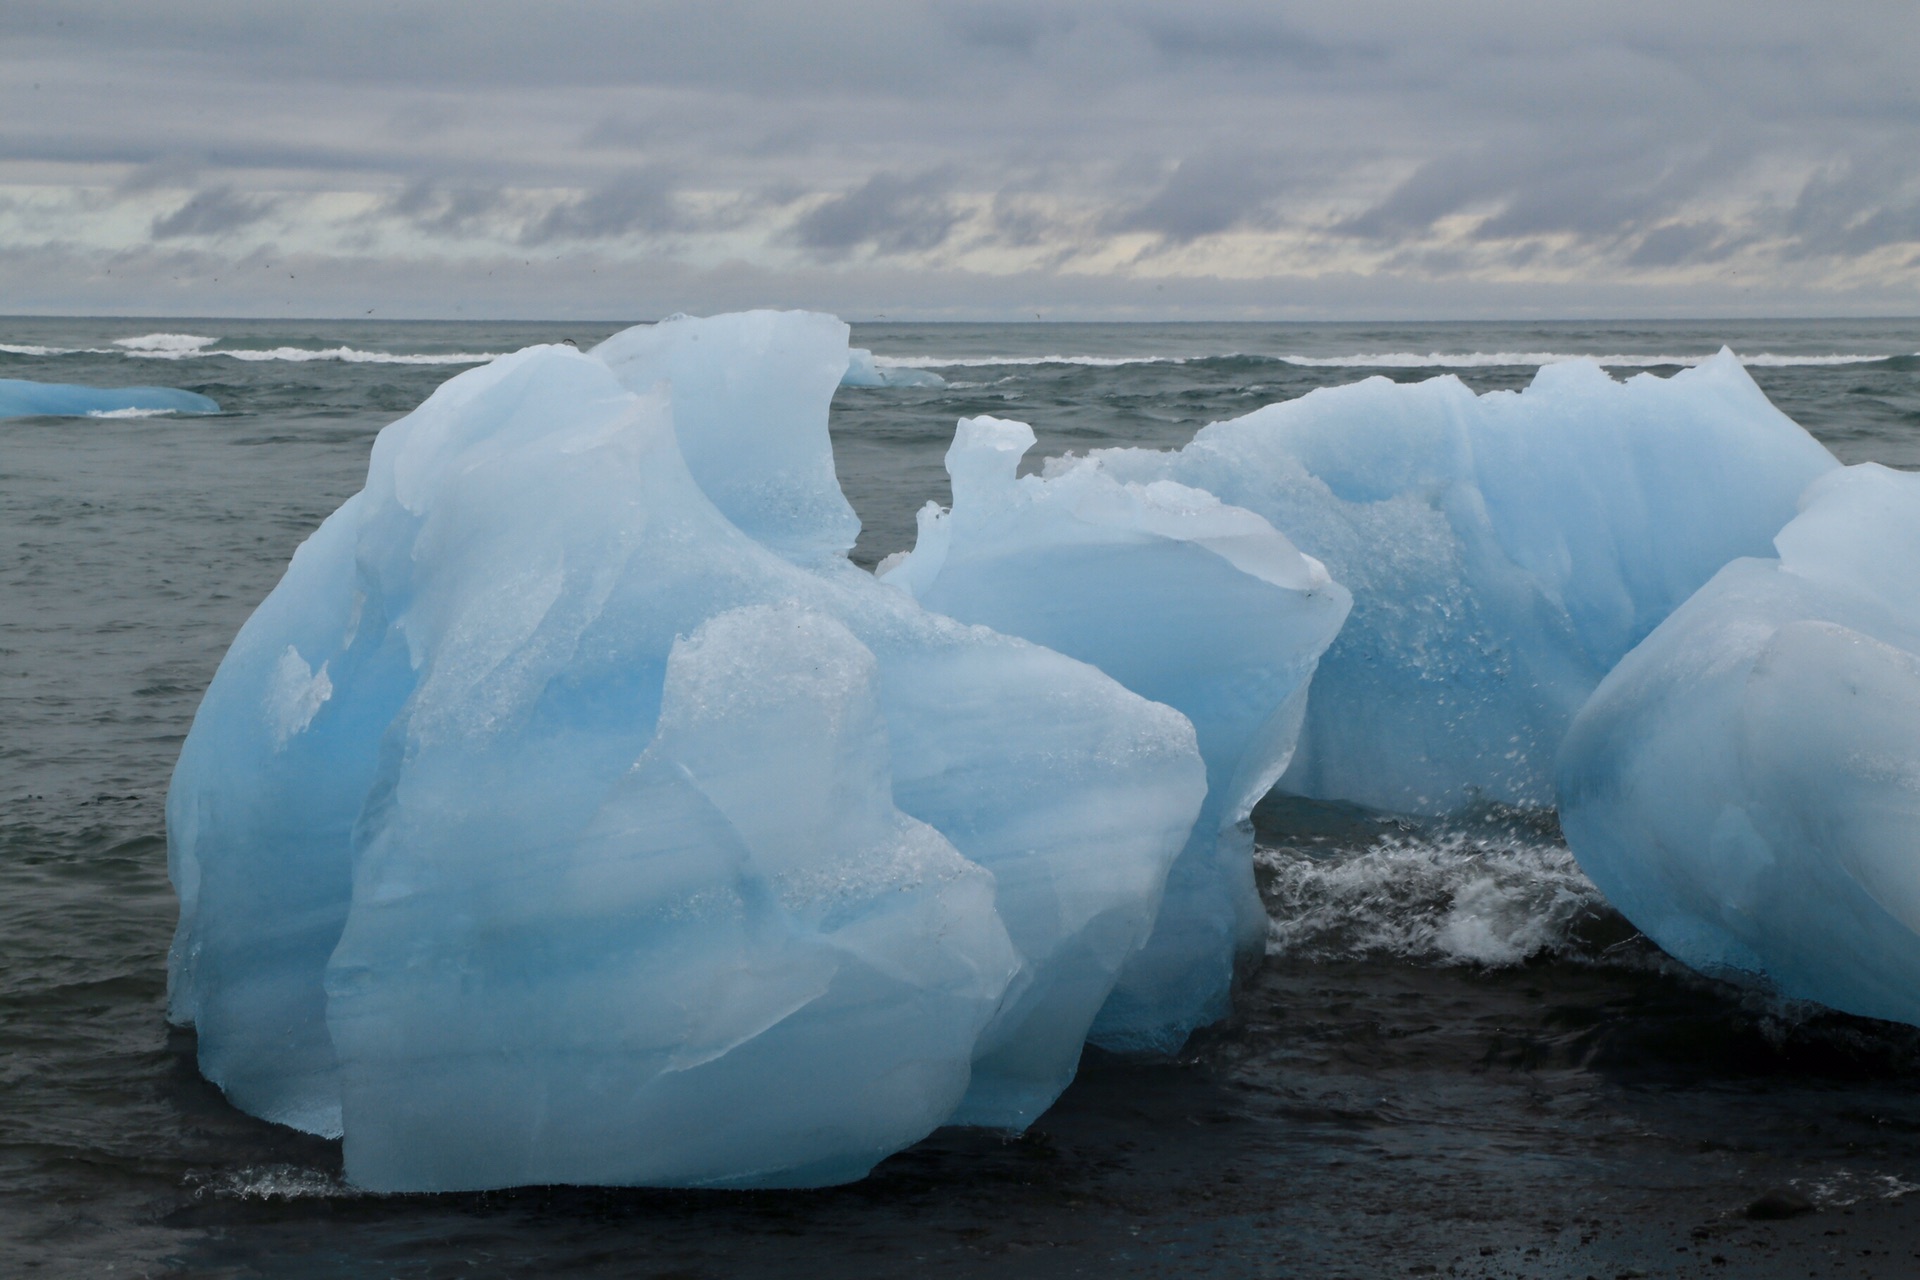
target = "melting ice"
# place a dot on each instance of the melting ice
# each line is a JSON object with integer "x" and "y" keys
{"x": 575, "y": 811}
{"x": 546, "y": 825}
{"x": 1503, "y": 551}
{"x": 1745, "y": 785}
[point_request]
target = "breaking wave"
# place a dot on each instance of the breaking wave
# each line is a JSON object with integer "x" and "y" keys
{"x": 1507, "y": 359}
{"x": 1436, "y": 899}
{"x": 164, "y": 344}
{"x": 194, "y": 346}
{"x": 1391, "y": 360}
{"x": 277, "y": 1182}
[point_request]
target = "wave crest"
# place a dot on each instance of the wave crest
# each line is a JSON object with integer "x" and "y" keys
{"x": 1451, "y": 898}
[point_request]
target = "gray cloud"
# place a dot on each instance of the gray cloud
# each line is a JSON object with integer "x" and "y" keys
{"x": 212, "y": 212}
{"x": 163, "y": 172}
{"x": 1257, "y": 36}
{"x": 1675, "y": 243}
{"x": 438, "y": 209}
{"x": 1207, "y": 195}
{"x": 887, "y": 212}
{"x": 642, "y": 201}
{"x": 1858, "y": 206}
{"x": 1435, "y": 142}
{"x": 1593, "y": 184}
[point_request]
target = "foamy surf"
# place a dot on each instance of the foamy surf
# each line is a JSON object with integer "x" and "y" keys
{"x": 343, "y": 355}
{"x": 164, "y": 343}
{"x": 1439, "y": 899}
{"x": 1398, "y": 360}
{"x": 187, "y": 346}
{"x": 277, "y": 1182}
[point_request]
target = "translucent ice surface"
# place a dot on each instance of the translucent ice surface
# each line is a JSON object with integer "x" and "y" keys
{"x": 1181, "y": 598}
{"x": 749, "y": 394}
{"x": 547, "y": 825}
{"x": 1745, "y": 785}
{"x": 20, "y": 398}
{"x": 1503, "y": 551}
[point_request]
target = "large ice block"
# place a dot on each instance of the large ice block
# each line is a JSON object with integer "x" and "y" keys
{"x": 1503, "y": 550}
{"x": 544, "y": 825}
{"x": 1745, "y": 785}
{"x": 1182, "y": 599}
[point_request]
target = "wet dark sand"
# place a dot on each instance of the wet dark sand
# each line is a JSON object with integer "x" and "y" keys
{"x": 1369, "y": 1120}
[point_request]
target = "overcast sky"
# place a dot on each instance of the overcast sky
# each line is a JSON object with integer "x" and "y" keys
{"x": 960, "y": 158}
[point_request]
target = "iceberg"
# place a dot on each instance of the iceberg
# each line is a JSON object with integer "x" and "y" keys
{"x": 862, "y": 371}
{"x": 1187, "y": 601}
{"x": 20, "y": 398}
{"x": 573, "y": 811}
{"x": 1504, "y": 551}
{"x": 1745, "y": 785}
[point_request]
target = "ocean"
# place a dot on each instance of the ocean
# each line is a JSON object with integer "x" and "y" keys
{"x": 1456, "y": 1059}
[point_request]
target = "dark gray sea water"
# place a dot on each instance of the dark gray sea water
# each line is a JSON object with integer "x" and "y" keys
{"x": 1456, "y": 1059}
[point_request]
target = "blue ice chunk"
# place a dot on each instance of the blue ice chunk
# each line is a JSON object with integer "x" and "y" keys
{"x": 1745, "y": 785}
{"x": 1504, "y": 551}
{"x": 745, "y": 966}
{"x": 529, "y": 709}
{"x": 20, "y": 398}
{"x": 862, "y": 371}
{"x": 1182, "y": 599}
{"x": 750, "y": 392}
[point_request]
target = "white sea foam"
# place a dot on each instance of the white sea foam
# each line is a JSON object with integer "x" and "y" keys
{"x": 280, "y": 1182}
{"x": 194, "y": 346}
{"x": 989, "y": 362}
{"x": 1843, "y": 1188}
{"x": 165, "y": 343}
{"x": 130, "y": 413}
{"x": 1500, "y": 359}
{"x": 1392, "y": 360}
{"x": 1447, "y": 899}
{"x": 344, "y": 355}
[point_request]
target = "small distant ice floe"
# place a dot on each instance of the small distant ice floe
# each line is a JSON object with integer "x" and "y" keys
{"x": 865, "y": 370}
{"x": 21, "y": 398}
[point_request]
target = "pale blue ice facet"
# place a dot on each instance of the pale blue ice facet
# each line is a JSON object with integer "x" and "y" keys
{"x": 1503, "y": 551}
{"x": 752, "y": 383}
{"x": 1745, "y": 785}
{"x": 546, "y": 825}
{"x": 1182, "y": 599}
{"x": 20, "y": 398}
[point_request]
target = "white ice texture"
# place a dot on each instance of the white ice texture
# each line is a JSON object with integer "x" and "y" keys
{"x": 1182, "y": 599}
{"x": 1745, "y": 785}
{"x": 573, "y": 811}
{"x": 1503, "y": 550}
{"x": 20, "y": 398}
